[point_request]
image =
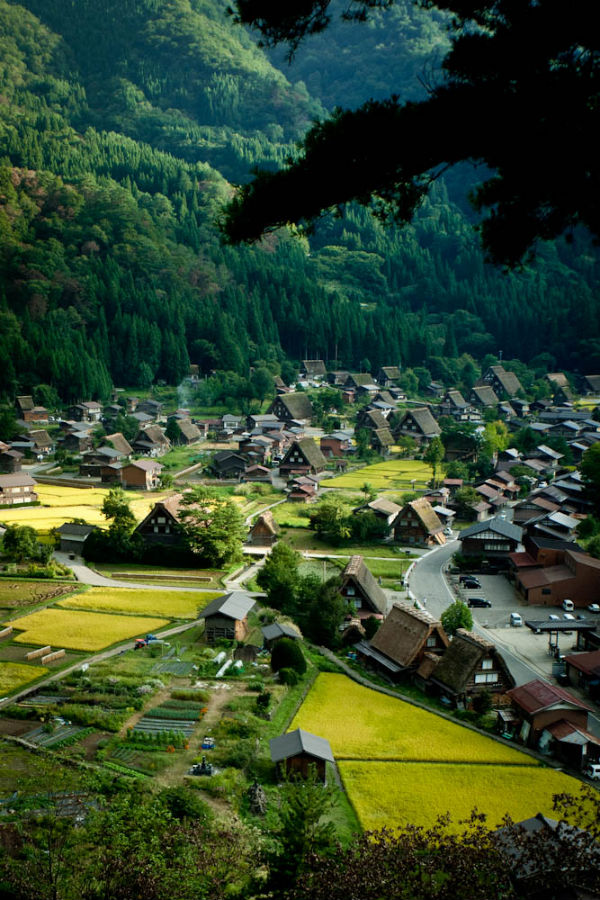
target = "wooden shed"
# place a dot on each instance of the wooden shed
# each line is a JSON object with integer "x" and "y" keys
{"x": 227, "y": 617}
{"x": 297, "y": 751}
{"x": 264, "y": 531}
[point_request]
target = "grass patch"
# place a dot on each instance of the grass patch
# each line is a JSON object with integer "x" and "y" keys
{"x": 393, "y": 793}
{"x": 14, "y": 675}
{"x": 303, "y": 539}
{"x": 173, "y": 604}
{"x": 394, "y": 474}
{"x": 364, "y": 724}
{"x": 77, "y": 630}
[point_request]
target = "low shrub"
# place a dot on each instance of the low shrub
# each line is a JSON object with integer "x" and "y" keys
{"x": 289, "y": 677}
{"x": 287, "y": 654}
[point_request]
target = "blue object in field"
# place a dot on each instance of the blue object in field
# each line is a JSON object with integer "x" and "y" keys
{"x": 151, "y": 637}
{"x": 208, "y": 743}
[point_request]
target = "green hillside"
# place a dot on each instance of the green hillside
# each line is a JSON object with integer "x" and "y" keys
{"x": 122, "y": 125}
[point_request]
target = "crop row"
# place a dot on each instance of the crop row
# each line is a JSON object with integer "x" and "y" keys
{"x": 159, "y": 712}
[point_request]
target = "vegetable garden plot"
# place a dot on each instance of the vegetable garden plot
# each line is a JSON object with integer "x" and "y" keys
{"x": 158, "y": 726}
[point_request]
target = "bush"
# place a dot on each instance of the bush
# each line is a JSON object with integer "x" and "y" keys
{"x": 287, "y": 654}
{"x": 289, "y": 677}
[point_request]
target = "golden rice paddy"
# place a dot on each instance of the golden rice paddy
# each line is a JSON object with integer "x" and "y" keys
{"x": 360, "y": 723}
{"x": 80, "y": 630}
{"x": 15, "y": 675}
{"x": 395, "y": 793}
{"x": 170, "y": 603}
{"x": 63, "y": 504}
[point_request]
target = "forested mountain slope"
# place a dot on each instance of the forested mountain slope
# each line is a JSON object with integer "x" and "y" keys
{"x": 121, "y": 124}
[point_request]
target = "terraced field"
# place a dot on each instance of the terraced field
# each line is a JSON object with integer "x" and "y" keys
{"x": 14, "y": 675}
{"x": 393, "y": 475}
{"x": 173, "y": 604}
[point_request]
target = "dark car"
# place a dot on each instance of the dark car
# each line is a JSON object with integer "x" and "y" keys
{"x": 479, "y": 601}
{"x": 469, "y": 581}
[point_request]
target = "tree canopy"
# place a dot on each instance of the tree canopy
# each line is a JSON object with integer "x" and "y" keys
{"x": 517, "y": 94}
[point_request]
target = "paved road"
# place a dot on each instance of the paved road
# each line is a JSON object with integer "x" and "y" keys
{"x": 428, "y": 585}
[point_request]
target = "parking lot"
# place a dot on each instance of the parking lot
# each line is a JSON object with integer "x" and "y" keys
{"x": 531, "y": 648}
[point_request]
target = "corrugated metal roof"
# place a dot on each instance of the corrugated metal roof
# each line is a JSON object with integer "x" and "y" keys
{"x": 235, "y": 605}
{"x": 300, "y": 741}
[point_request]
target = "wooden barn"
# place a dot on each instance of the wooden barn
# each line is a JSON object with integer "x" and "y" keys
{"x": 264, "y": 531}
{"x": 227, "y": 617}
{"x": 294, "y": 753}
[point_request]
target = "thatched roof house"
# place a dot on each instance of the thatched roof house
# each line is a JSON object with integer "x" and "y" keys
{"x": 361, "y": 591}
{"x": 418, "y": 523}
{"x": 292, "y": 407}
{"x": 402, "y": 641}
{"x": 303, "y": 457}
{"x": 469, "y": 666}
{"x": 264, "y": 531}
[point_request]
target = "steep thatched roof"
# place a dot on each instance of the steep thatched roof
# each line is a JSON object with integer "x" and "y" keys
{"x": 314, "y": 367}
{"x": 382, "y": 437}
{"x": 356, "y": 571}
{"x": 423, "y": 419}
{"x": 120, "y": 443}
{"x": 404, "y": 633}
{"x": 265, "y": 524}
{"x": 427, "y": 515}
{"x": 310, "y": 451}
{"x": 297, "y": 405}
{"x": 484, "y": 395}
{"x": 189, "y": 431}
{"x": 460, "y": 660}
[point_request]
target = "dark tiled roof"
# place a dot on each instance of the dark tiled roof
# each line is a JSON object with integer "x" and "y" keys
{"x": 299, "y": 741}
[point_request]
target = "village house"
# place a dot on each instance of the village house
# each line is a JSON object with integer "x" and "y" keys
{"x": 227, "y": 617}
{"x": 483, "y": 395}
{"x": 151, "y": 441}
{"x": 227, "y": 464}
{"x": 294, "y": 407}
{"x": 493, "y": 539}
{"x": 152, "y": 408}
{"x": 583, "y": 671}
{"x": 277, "y": 630}
{"x": 336, "y": 446}
{"x": 388, "y": 375}
{"x": 505, "y": 384}
{"x": 264, "y": 531}
{"x": 541, "y": 707}
{"x": 17, "y": 488}
{"x": 10, "y": 460}
{"x": 73, "y": 537}
{"x": 417, "y": 423}
{"x": 298, "y": 752}
{"x": 454, "y": 404}
{"x": 90, "y": 411}
{"x": 359, "y": 379}
{"x": 77, "y": 441}
{"x": 143, "y": 474}
{"x": 576, "y": 578}
{"x": 313, "y": 369}
{"x": 43, "y": 444}
{"x": 27, "y": 411}
{"x": 589, "y": 384}
{"x": 470, "y": 666}
{"x": 162, "y": 524}
{"x": 383, "y": 509}
{"x": 93, "y": 461}
{"x": 302, "y": 458}
{"x": 337, "y": 378}
{"x": 360, "y": 590}
{"x": 188, "y": 432}
{"x": 397, "y": 649}
{"x": 417, "y": 523}
{"x": 119, "y": 443}
{"x": 258, "y": 473}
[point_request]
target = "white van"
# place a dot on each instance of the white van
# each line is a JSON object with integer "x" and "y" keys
{"x": 592, "y": 771}
{"x": 568, "y": 605}
{"x": 516, "y": 619}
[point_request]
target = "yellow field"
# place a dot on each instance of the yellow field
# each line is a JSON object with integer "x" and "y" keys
{"x": 75, "y": 630}
{"x": 363, "y": 724}
{"x": 393, "y": 794}
{"x": 393, "y": 475}
{"x": 174, "y": 604}
{"x": 15, "y": 675}
{"x": 62, "y": 504}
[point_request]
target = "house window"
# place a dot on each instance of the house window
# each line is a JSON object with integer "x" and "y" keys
{"x": 350, "y": 591}
{"x": 486, "y": 678}
{"x": 487, "y": 664}
{"x": 546, "y": 591}
{"x": 431, "y": 641}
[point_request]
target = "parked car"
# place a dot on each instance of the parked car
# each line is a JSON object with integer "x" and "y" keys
{"x": 594, "y": 608}
{"x": 516, "y": 620}
{"x": 568, "y": 605}
{"x": 479, "y": 602}
{"x": 554, "y": 618}
{"x": 592, "y": 771}
{"x": 569, "y": 617}
{"x": 469, "y": 578}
